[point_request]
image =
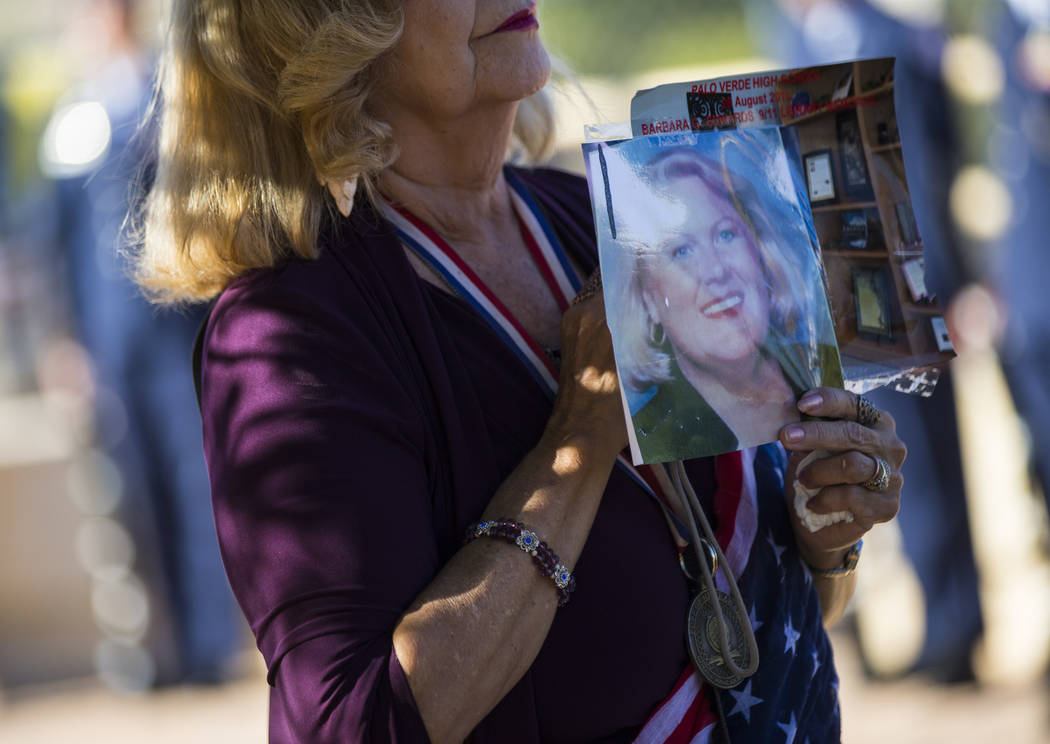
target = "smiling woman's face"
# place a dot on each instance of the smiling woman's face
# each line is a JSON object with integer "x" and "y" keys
{"x": 455, "y": 55}
{"x": 704, "y": 283}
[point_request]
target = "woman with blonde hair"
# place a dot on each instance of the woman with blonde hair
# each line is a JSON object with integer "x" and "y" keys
{"x": 378, "y": 378}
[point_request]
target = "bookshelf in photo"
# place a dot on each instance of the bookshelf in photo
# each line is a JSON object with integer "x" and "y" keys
{"x": 868, "y": 230}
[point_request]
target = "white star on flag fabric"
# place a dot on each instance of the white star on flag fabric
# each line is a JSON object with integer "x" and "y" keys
{"x": 755, "y": 622}
{"x": 745, "y": 701}
{"x": 791, "y": 637}
{"x": 790, "y": 729}
{"x": 779, "y": 550}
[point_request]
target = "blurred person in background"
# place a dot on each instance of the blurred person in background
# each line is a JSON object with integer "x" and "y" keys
{"x": 147, "y": 418}
{"x": 934, "y": 525}
{"x": 1013, "y": 263}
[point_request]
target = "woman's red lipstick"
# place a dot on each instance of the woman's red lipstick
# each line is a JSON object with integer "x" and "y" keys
{"x": 520, "y": 21}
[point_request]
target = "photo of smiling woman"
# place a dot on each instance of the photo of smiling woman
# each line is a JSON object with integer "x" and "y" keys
{"x": 715, "y": 297}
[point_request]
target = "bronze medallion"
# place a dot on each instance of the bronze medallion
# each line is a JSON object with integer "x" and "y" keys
{"x": 704, "y": 645}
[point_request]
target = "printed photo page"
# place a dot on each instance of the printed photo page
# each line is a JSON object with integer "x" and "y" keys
{"x": 713, "y": 289}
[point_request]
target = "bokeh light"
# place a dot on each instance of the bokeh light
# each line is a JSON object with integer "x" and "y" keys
{"x": 76, "y": 138}
{"x": 980, "y": 203}
{"x": 973, "y": 70}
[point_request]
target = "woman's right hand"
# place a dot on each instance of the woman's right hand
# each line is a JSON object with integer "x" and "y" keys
{"x": 588, "y": 404}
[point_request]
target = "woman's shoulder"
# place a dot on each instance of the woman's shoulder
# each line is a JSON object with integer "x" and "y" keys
{"x": 354, "y": 263}
{"x": 254, "y": 304}
{"x": 341, "y": 302}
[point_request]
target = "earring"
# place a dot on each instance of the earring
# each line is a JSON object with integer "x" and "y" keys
{"x": 343, "y": 193}
{"x": 655, "y": 328}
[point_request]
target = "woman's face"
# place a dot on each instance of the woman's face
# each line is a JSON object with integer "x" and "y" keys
{"x": 703, "y": 280}
{"x": 455, "y": 55}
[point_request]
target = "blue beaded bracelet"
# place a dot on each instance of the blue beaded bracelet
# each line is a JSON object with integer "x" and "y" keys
{"x": 544, "y": 558}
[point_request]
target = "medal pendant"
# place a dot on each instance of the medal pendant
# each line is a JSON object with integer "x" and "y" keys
{"x": 704, "y": 644}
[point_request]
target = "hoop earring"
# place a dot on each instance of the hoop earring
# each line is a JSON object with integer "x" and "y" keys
{"x": 655, "y": 328}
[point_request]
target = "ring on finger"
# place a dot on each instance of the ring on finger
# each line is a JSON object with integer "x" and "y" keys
{"x": 880, "y": 480}
{"x": 867, "y": 414}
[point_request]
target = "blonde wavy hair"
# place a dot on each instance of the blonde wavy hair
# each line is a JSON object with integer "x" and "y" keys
{"x": 258, "y": 102}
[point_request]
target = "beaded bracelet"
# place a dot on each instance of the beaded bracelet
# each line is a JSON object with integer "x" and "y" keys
{"x": 544, "y": 558}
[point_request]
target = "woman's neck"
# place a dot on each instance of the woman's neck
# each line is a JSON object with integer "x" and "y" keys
{"x": 451, "y": 177}
{"x": 450, "y": 173}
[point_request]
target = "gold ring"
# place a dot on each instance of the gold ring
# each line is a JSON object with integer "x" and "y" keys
{"x": 880, "y": 481}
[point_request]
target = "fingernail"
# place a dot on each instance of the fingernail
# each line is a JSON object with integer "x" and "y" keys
{"x": 794, "y": 433}
{"x": 810, "y": 400}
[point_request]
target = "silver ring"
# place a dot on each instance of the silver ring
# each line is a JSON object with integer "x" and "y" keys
{"x": 867, "y": 414}
{"x": 880, "y": 481}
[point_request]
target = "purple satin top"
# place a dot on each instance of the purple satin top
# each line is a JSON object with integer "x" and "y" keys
{"x": 356, "y": 420}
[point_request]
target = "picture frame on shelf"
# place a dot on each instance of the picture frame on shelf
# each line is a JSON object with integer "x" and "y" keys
{"x": 820, "y": 177}
{"x": 914, "y": 270}
{"x": 856, "y": 183}
{"x": 872, "y": 302}
{"x": 940, "y": 334}
{"x": 854, "y": 229}
{"x": 909, "y": 230}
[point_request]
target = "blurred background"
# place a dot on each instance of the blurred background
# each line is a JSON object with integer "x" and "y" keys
{"x": 116, "y": 622}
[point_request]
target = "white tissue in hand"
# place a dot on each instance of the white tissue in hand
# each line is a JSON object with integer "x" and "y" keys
{"x": 810, "y": 518}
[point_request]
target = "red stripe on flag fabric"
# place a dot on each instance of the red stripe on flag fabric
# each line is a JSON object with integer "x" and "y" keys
{"x": 541, "y": 263}
{"x": 729, "y": 474}
{"x": 469, "y": 273}
{"x": 684, "y": 713}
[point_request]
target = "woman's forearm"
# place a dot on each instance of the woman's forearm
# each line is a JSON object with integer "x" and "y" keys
{"x": 477, "y": 627}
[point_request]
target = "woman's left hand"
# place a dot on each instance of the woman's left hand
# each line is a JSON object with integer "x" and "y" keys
{"x": 854, "y": 450}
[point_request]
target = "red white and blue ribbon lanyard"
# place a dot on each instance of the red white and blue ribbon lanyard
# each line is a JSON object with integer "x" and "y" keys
{"x": 554, "y": 266}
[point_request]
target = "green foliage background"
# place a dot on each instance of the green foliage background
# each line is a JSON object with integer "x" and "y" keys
{"x": 620, "y": 37}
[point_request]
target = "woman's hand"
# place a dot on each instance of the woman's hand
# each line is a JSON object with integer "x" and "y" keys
{"x": 588, "y": 402}
{"x": 852, "y": 461}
